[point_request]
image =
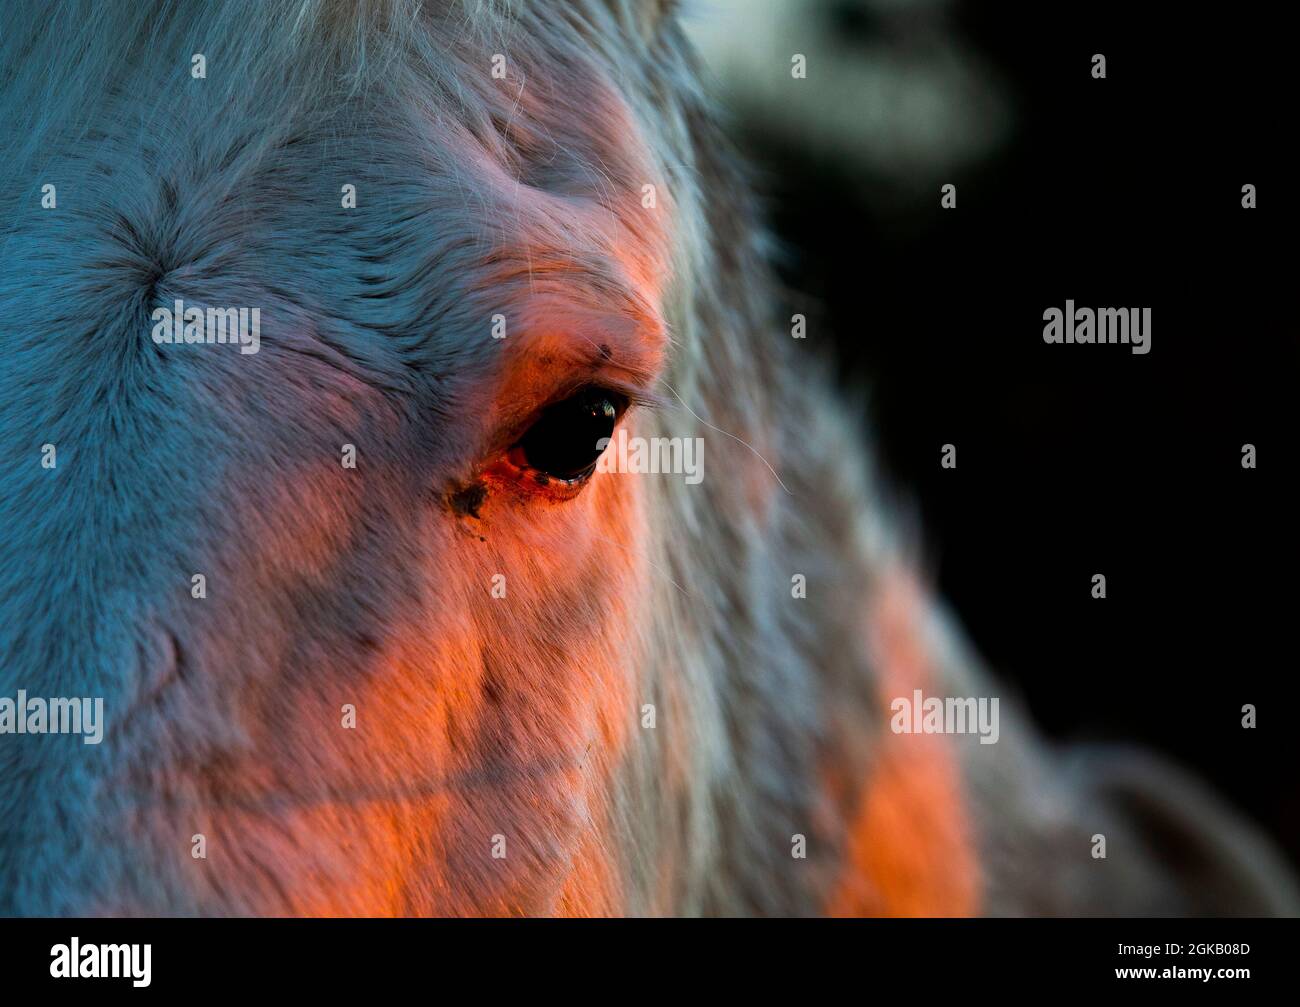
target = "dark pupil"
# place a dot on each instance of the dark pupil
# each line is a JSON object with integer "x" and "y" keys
{"x": 564, "y": 440}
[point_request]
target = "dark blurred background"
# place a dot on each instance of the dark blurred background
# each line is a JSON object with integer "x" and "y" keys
{"x": 1072, "y": 460}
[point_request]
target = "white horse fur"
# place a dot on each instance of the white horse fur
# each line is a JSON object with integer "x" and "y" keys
{"x": 499, "y": 762}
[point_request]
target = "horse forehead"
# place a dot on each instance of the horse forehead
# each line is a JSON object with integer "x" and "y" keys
{"x": 576, "y": 218}
{"x": 578, "y": 187}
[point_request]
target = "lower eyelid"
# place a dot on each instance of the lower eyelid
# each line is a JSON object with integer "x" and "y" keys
{"x": 523, "y": 480}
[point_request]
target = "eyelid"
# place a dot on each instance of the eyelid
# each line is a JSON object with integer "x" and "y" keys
{"x": 632, "y": 394}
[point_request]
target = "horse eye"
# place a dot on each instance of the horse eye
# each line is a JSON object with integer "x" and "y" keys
{"x": 565, "y": 442}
